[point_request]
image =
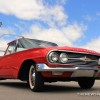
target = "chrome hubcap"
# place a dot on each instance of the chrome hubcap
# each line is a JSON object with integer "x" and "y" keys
{"x": 32, "y": 77}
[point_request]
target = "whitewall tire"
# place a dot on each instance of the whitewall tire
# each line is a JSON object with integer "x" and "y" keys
{"x": 36, "y": 81}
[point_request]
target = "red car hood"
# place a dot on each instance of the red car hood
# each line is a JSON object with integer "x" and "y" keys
{"x": 73, "y": 49}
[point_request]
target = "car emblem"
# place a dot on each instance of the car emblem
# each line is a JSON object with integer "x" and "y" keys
{"x": 85, "y": 59}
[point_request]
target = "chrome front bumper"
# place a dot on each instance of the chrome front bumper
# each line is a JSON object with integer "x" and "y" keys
{"x": 77, "y": 71}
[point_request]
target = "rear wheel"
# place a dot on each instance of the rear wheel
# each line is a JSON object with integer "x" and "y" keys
{"x": 36, "y": 81}
{"x": 86, "y": 83}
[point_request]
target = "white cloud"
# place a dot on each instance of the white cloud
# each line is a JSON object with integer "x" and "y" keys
{"x": 55, "y": 15}
{"x": 33, "y": 9}
{"x": 26, "y": 9}
{"x": 64, "y": 36}
{"x": 74, "y": 31}
{"x": 93, "y": 45}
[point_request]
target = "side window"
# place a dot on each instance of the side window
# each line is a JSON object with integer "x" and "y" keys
{"x": 11, "y": 49}
{"x": 20, "y": 48}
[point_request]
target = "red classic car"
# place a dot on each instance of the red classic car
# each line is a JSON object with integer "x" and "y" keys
{"x": 37, "y": 61}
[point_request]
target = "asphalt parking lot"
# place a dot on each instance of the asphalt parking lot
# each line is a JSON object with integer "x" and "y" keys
{"x": 17, "y": 90}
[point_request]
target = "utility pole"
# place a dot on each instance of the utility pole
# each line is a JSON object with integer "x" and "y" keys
{"x": 0, "y": 24}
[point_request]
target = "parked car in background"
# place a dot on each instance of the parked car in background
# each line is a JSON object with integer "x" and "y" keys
{"x": 37, "y": 61}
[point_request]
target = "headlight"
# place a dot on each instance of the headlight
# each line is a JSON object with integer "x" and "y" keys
{"x": 53, "y": 57}
{"x": 99, "y": 62}
{"x": 63, "y": 58}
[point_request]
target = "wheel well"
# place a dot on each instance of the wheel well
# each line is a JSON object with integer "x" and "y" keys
{"x": 24, "y": 70}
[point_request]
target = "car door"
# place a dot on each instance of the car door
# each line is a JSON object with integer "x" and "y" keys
{"x": 6, "y": 62}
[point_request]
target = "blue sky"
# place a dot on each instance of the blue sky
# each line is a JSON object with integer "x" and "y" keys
{"x": 69, "y": 22}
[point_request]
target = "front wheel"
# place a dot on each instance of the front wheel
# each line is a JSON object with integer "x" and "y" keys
{"x": 36, "y": 81}
{"x": 86, "y": 83}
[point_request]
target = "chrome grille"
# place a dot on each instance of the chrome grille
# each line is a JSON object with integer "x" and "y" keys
{"x": 82, "y": 59}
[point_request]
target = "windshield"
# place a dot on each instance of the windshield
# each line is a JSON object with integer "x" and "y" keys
{"x": 32, "y": 43}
